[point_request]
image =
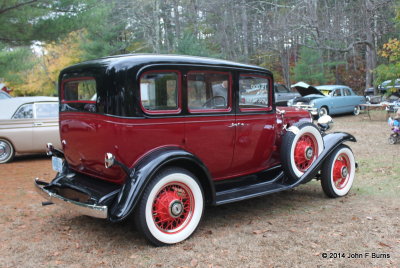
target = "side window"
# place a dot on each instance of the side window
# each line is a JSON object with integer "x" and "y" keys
{"x": 346, "y": 92}
{"x": 281, "y": 89}
{"x": 24, "y": 112}
{"x": 46, "y": 110}
{"x": 159, "y": 92}
{"x": 254, "y": 92}
{"x": 208, "y": 91}
{"x": 337, "y": 93}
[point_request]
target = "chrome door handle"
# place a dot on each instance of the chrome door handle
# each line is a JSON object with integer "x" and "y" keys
{"x": 240, "y": 124}
{"x": 38, "y": 124}
{"x": 233, "y": 125}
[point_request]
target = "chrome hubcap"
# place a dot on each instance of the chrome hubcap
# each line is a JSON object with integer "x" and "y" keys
{"x": 2, "y": 149}
{"x": 176, "y": 208}
{"x": 309, "y": 153}
{"x": 344, "y": 172}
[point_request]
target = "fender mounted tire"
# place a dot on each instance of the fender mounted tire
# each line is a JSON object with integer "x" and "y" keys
{"x": 301, "y": 145}
{"x": 338, "y": 172}
{"x": 171, "y": 207}
{"x": 7, "y": 151}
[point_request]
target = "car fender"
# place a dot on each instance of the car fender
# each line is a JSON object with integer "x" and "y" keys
{"x": 145, "y": 169}
{"x": 331, "y": 142}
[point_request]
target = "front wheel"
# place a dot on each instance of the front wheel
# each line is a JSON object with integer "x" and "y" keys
{"x": 7, "y": 151}
{"x": 323, "y": 111}
{"x": 338, "y": 172}
{"x": 171, "y": 207}
{"x": 301, "y": 145}
{"x": 392, "y": 139}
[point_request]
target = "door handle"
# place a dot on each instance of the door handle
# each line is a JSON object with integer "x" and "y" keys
{"x": 233, "y": 125}
{"x": 240, "y": 124}
{"x": 38, "y": 124}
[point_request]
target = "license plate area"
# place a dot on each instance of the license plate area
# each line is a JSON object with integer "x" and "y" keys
{"x": 57, "y": 164}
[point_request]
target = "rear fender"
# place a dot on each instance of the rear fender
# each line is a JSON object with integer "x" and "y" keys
{"x": 145, "y": 170}
{"x": 331, "y": 142}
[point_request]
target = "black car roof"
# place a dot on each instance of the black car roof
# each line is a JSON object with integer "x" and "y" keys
{"x": 128, "y": 61}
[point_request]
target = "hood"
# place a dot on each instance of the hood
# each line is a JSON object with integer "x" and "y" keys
{"x": 305, "y": 89}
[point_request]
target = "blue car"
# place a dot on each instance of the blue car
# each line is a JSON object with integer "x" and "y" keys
{"x": 327, "y": 99}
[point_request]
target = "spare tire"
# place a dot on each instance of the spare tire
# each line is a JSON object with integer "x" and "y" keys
{"x": 301, "y": 145}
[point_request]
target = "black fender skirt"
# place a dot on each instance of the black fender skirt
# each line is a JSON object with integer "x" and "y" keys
{"x": 144, "y": 171}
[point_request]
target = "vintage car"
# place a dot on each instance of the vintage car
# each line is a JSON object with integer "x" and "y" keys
{"x": 161, "y": 140}
{"x": 327, "y": 99}
{"x": 283, "y": 95}
{"x": 26, "y": 125}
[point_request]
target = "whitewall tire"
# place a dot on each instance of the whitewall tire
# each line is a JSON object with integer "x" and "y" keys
{"x": 7, "y": 151}
{"x": 301, "y": 145}
{"x": 171, "y": 207}
{"x": 338, "y": 172}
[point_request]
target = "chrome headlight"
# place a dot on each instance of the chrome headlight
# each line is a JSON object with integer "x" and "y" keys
{"x": 312, "y": 104}
{"x": 290, "y": 102}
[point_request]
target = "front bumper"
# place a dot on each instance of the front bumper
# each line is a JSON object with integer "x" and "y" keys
{"x": 312, "y": 110}
{"x": 80, "y": 207}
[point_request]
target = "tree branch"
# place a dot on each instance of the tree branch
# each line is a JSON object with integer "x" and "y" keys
{"x": 17, "y": 6}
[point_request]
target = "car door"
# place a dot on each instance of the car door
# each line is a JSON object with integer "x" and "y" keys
{"x": 210, "y": 123}
{"x": 255, "y": 125}
{"x": 45, "y": 125}
{"x": 337, "y": 102}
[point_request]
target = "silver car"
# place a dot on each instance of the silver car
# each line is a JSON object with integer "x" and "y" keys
{"x": 26, "y": 125}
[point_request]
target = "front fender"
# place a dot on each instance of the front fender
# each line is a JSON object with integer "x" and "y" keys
{"x": 331, "y": 142}
{"x": 145, "y": 170}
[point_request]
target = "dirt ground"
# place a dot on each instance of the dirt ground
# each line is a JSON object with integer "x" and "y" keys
{"x": 297, "y": 228}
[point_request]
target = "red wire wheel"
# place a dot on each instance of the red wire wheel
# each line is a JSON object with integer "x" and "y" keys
{"x": 305, "y": 152}
{"x": 300, "y": 147}
{"x": 341, "y": 171}
{"x": 338, "y": 172}
{"x": 173, "y": 207}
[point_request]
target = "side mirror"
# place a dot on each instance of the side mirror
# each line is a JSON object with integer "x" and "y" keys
{"x": 109, "y": 160}
{"x": 325, "y": 122}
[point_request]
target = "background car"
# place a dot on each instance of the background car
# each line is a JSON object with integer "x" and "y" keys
{"x": 26, "y": 125}
{"x": 4, "y": 95}
{"x": 283, "y": 95}
{"x": 327, "y": 99}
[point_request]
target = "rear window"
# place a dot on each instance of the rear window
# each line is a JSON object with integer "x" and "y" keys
{"x": 79, "y": 94}
{"x": 80, "y": 90}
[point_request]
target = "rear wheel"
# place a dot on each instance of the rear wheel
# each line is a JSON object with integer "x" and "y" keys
{"x": 392, "y": 139}
{"x": 301, "y": 146}
{"x": 171, "y": 207}
{"x": 7, "y": 151}
{"x": 338, "y": 172}
{"x": 356, "y": 110}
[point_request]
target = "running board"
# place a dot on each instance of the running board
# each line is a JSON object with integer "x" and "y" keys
{"x": 253, "y": 190}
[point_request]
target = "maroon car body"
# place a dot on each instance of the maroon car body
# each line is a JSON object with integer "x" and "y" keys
{"x": 154, "y": 135}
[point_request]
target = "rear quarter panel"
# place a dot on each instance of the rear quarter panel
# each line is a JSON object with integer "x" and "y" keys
{"x": 18, "y": 132}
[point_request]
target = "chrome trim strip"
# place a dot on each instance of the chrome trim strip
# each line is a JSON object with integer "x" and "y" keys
{"x": 82, "y": 208}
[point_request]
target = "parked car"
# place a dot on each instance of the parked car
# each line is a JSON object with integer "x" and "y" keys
{"x": 26, "y": 125}
{"x": 327, "y": 99}
{"x": 389, "y": 84}
{"x": 4, "y": 95}
{"x": 158, "y": 142}
{"x": 283, "y": 94}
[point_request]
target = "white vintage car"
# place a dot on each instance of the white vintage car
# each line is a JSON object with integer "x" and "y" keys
{"x": 26, "y": 125}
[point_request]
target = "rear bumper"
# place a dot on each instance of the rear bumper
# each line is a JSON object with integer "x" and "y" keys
{"x": 82, "y": 208}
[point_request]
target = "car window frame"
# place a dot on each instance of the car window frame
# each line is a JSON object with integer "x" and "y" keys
{"x": 63, "y": 82}
{"x": 40, "y": 103}
{"x": 179, "y": 93}
{"x": 19, "y": 107}
{"x": 228, "y": 109}
{"x": 255, "y": 109}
